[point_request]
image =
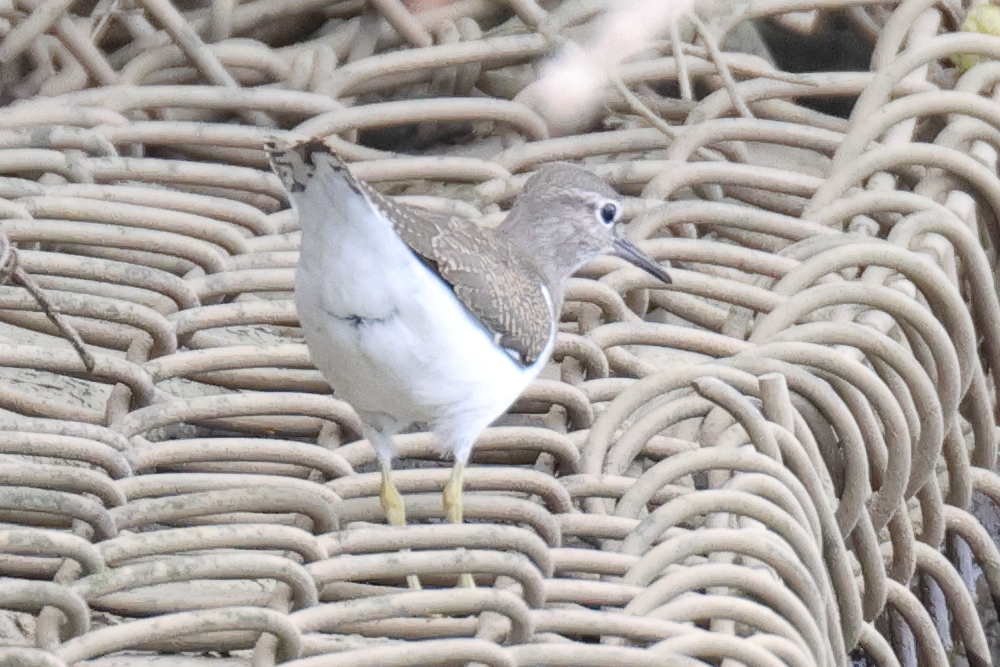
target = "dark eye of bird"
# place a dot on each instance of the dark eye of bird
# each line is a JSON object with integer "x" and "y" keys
{"x": 608, "y": 213}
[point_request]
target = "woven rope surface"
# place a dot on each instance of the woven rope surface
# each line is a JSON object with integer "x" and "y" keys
{"x": 784, "y": 459}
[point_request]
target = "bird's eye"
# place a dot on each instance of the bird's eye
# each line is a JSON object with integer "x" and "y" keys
{"x": 609, "y": 212}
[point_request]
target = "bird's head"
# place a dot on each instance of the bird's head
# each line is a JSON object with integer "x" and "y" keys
{"x": 566, "y": 216}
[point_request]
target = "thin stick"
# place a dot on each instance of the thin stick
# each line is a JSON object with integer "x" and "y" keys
{"x": 727, "y": 77}
{"x": 683, "y": 77}
{"x": 640, "y": 107}
{"x": 10, "y": 269}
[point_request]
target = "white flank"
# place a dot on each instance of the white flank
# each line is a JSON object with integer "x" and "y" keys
{"x": 390, "y": 335}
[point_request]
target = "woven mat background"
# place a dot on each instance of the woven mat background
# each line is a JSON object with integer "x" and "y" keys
{"x": 784, "y": 459}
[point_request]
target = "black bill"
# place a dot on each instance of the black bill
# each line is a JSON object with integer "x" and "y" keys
{"x": 627, "y": 251}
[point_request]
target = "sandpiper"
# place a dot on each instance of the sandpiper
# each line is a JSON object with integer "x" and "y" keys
{"x": 416, "y": 316}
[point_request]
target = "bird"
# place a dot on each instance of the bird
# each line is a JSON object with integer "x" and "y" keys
{"x": 421, "y": 317}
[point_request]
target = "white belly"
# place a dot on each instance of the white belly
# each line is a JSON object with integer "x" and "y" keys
{"x": 393, "y": 340}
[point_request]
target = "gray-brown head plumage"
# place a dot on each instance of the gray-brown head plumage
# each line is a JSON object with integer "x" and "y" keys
{"x": 510, "y": 279}
{"x": 563, "y": 217}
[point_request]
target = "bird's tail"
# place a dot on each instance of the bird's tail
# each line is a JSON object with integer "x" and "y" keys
{"x": 296, "y": 163}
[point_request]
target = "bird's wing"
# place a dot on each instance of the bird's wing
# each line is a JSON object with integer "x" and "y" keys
{"x": 490, "y": 280}
{"x": 487, "y": 276}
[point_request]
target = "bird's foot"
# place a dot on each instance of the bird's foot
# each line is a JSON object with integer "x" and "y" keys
{"x": 452, "y": 497}
{"x": 392, "y": 503}
{"x": 395, "y": 514}
{"x": 454, "y": 512}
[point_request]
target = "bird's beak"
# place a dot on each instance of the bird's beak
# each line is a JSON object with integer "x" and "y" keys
{"x": 627, "y": 251}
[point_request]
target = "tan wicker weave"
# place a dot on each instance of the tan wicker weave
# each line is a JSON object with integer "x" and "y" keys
{"x": 785, "y": 459}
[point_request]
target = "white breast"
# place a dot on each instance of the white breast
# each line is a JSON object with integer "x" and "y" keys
{"x": 388, "y": 334}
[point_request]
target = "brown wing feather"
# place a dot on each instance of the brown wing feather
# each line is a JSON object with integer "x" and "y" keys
{"x": 486, "y": 275}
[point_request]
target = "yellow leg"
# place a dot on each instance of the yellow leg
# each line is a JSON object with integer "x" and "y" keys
{"x": 392, "y": 501}
{"x": 453, "y": 494}
{"x": 395, "y": 513}
{"x": 453, "y": 510}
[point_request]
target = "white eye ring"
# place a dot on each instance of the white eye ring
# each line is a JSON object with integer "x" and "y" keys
{"x": 608, "y": 212}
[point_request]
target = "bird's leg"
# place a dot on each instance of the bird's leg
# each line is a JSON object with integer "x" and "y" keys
{"x": 453, "y": 494}
{"x": 395, "y": 513}
{"x": 453, "y": 510}
{"x": 392, "y": 500}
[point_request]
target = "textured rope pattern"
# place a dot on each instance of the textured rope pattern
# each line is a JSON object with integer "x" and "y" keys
{"x": 784, "y": 458}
